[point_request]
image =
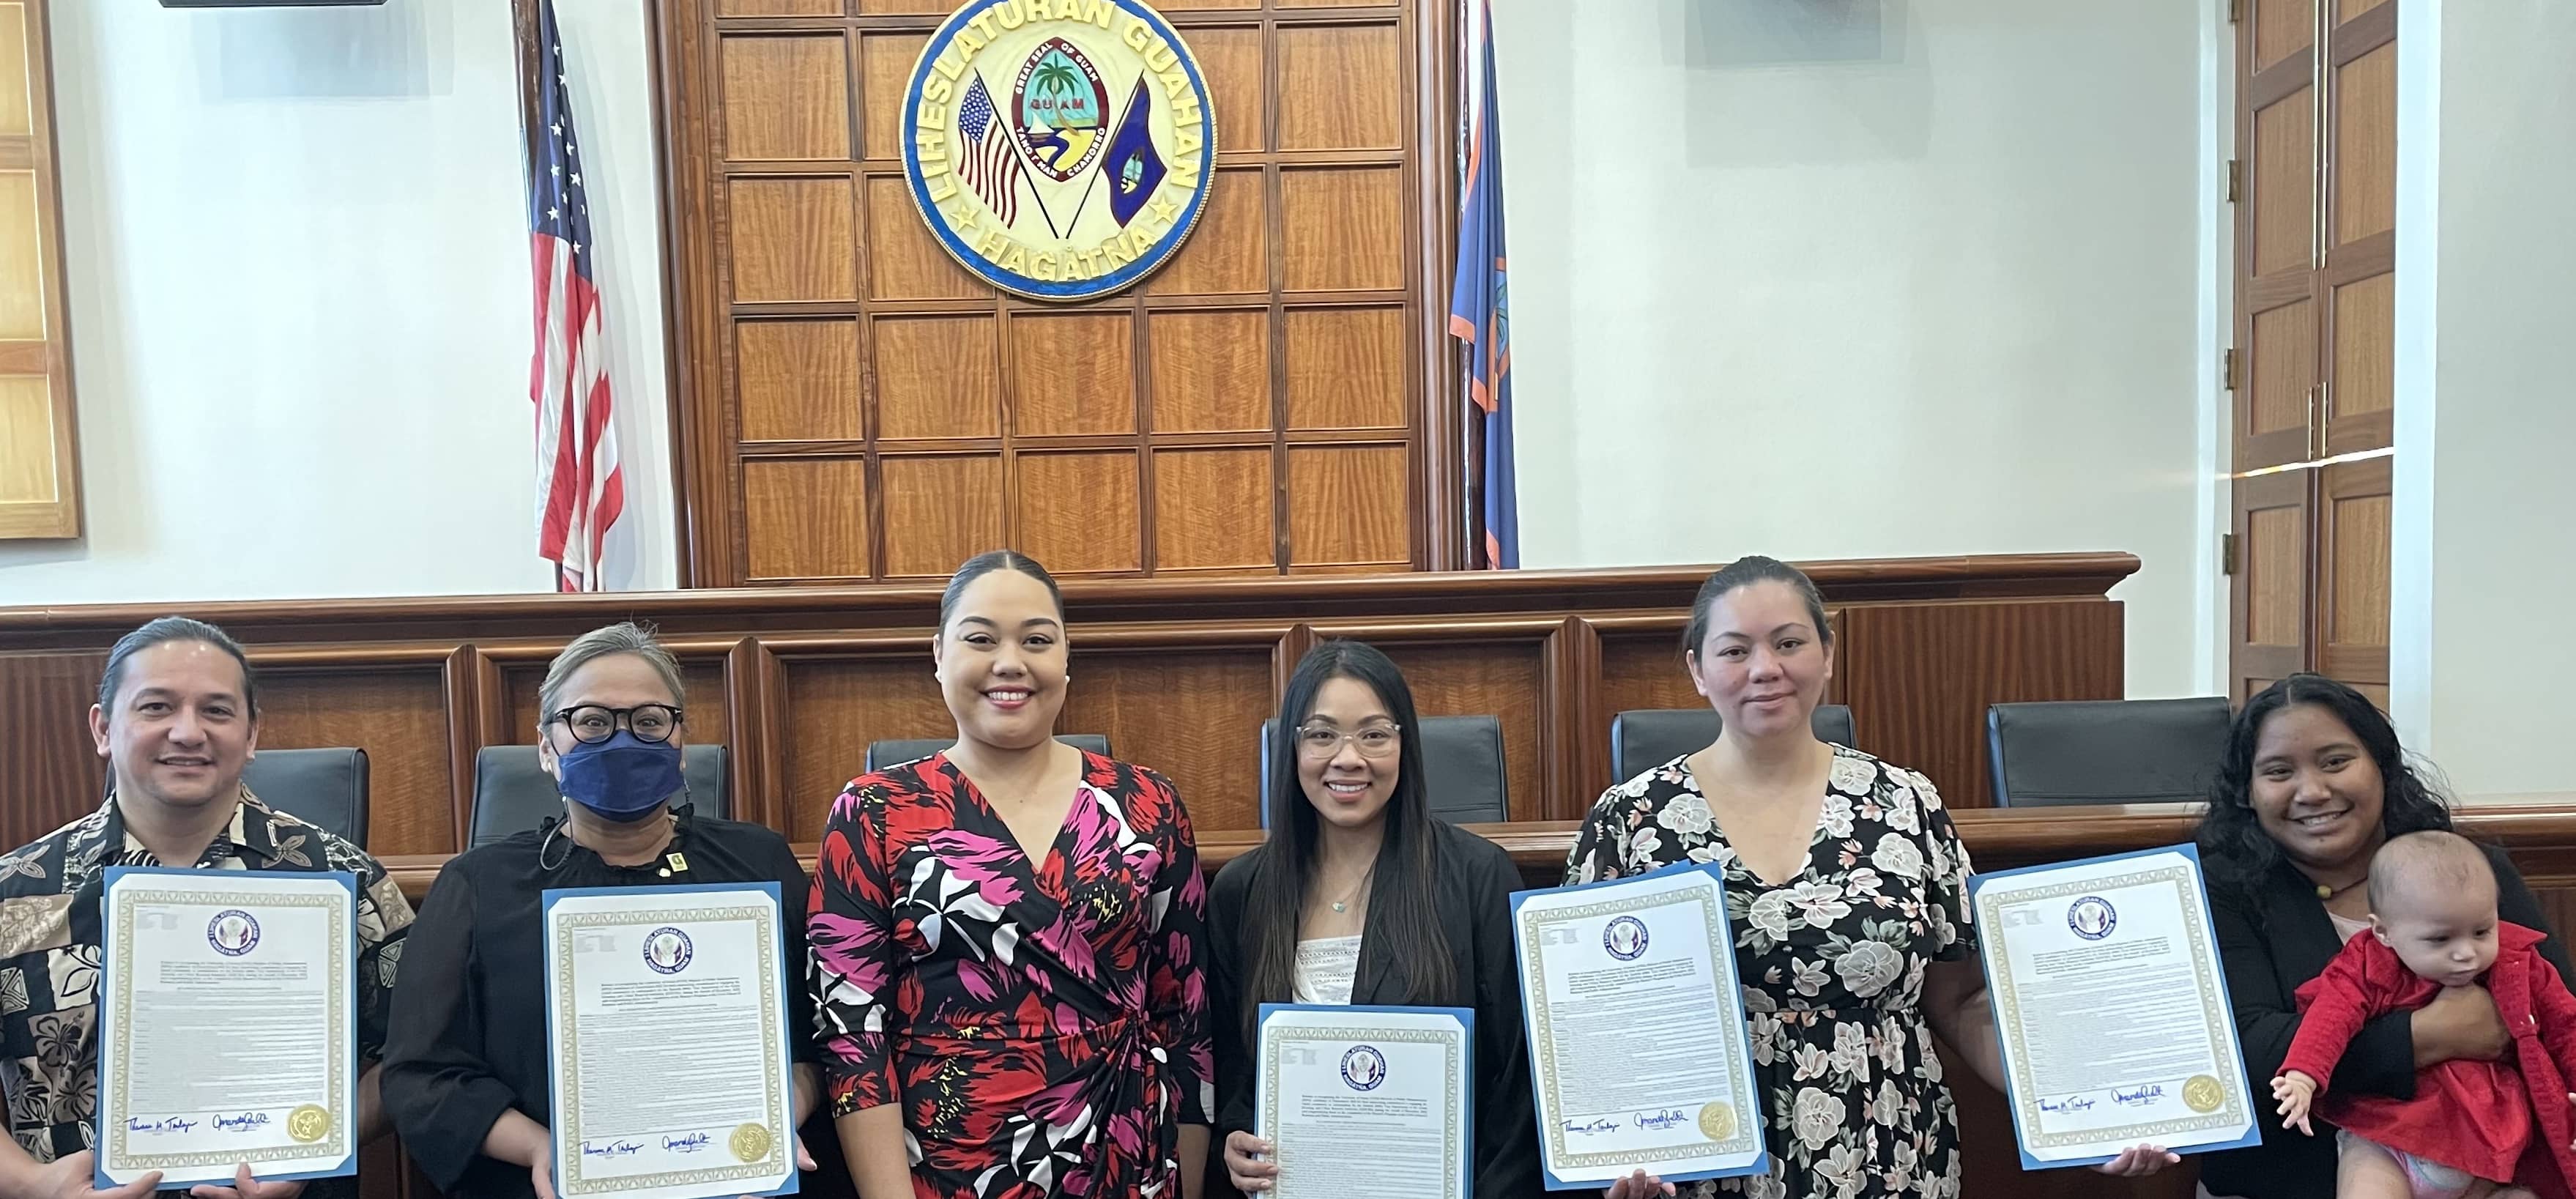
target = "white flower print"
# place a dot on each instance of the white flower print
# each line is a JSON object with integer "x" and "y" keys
{"x": 74, "y": 973}
{"x": 1820, "y": 903}
{"x": 1852, "y": 775}
{"x": 1811, "y": 1062}
{"x": 1645, "y": 845}
{"x": 1842, "y": 1168}
{"x": 1890, "y": 1103}
{"x": 1944, "y": 933}
{"x": 13, "y": 990}
{"x": 1765, "y": 1031}
{"x": 1898, "y": 856}
{"x": 1687, "y": 814}
{"x": 1851, "y": 1049}
{"x": 1770, "y": 915}
{"x": 1863, "y": 885}
{"x": 1891, "y": 1051}
{"x": 1815, "y": 1119}
{"x": 1765, "y": 1186}
{"x": 1902, "y": 818}
{"x": 1922, "y": 790}
{"x": 1809, "y": 977}
{"x": 1836, "y": 818}
{"x": 1868, "y": 966}
{"x": 1902, "y": 1163}
{"x": 1931, "y": 1056}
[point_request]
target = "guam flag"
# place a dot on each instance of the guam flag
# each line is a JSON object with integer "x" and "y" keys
{"x": 1476, "y": 309}
{"x": 1134, "y": 169}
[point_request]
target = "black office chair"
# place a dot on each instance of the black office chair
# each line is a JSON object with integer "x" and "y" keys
{"x": 513, "y": 794}
{"x": 325, "y": 788}
{"x": 1462, "y": 764}
{"x": 1644, "y": 738}
{"x": 882, "y": 754}
{"x": 2105, "y": 751}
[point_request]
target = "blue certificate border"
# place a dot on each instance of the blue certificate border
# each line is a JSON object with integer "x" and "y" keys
{"x": 98, "y": 1024}
{"x": 1761, "y": 1163}
{"x": 1466, "y": 1018}
{"x": 551, "y": 896}
{"x": 2012, "y": 1100}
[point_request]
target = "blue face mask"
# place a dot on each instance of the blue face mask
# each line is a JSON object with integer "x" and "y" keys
{"x": 621, "y": 778}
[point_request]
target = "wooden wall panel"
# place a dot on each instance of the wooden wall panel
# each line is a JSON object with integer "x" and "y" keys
{"x": 939, "y": 511}
{"x": 1933, "y": 719}
{"x": 800, "y": 379}
{"x": 1196, "y": 718}
{"x": 39, "y": 462}
{"x": 410, "y": 773}
{"x": 1212, "y": 509}
{"x": 1211, "y": 374}
{"x": 821, "y": 320}
{"x": 50, "y": 771}
{"x": 842, "y": 704}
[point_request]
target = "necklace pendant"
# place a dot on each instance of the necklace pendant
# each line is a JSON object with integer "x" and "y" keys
{"x": 1341, "y": 907}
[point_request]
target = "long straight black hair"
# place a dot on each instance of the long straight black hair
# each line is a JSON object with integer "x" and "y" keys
{"x": 1402, "y": 897}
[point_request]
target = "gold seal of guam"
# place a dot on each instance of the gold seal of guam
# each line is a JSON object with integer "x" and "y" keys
{"x": 2203, "y": 1094}
{"x": 1717, "y": 1121}
{"x": 308, "y": 1123}
{"x": 749, "y": 1143}
{"x": 1059, "y": 149}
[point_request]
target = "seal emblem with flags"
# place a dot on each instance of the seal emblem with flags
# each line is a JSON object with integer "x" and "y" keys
{"x": 1059, "y": 149}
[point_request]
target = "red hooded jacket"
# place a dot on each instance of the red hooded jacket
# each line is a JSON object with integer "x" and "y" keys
{"x": 2470, "y": 1115}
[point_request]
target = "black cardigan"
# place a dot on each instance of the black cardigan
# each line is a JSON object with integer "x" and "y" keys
{"x": 2274, "y": 936}
{"x": 1474, "y": 898}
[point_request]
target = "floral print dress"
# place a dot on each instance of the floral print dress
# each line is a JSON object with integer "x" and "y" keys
{"x": 1041, "y": 1023}
{"x": 1832, "y": 965}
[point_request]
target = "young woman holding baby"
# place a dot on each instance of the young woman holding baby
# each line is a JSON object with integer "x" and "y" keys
{"x": 2313, "y": 786}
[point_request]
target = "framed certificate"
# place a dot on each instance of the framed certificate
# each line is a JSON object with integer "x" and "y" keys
{"x": 227, "y": 1025}
{"x": 2112, "y": 1008}
{"x": 1639, "y": 1050}
{"x": 1400, "y": 1080}
{"x": 666, "y": 1015}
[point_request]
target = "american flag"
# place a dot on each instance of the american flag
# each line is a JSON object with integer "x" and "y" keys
{"x": 580, "y": 486}
{"x": 986, "y": 160}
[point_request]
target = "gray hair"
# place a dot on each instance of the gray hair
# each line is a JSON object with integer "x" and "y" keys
{"x": 624, "y": 637}
{"x": 164, "y": 631}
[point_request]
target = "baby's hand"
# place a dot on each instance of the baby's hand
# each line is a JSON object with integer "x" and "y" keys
{"x": 2294, "y": 1090}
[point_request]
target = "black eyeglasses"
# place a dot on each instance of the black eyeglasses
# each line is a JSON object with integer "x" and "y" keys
{"x": 594, "y": 723}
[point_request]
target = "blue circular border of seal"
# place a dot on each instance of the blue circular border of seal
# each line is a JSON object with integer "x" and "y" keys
{"x": 218, "y": 921}
{"x": 2110, "y": 918}
{"x": 1612, "y": 927}
{"x": 1355, "y": 1084}
{"x": 688, "y": 952}
{"x": 1078, "y": 290}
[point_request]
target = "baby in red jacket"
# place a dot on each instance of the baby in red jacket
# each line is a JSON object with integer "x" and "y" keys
{"x": 2468, "y": 1132}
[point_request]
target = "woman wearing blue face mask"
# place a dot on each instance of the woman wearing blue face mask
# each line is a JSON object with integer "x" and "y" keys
{"x": 465, "y": 1078}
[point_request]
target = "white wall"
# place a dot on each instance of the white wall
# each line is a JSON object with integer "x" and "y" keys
{"x": 1852, "y": 278}
{"x": 2484, "y": 552}
{"x": 297, "y": 258}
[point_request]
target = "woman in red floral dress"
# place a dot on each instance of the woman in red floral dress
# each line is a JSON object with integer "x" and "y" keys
{"x": 1008, "y": 941}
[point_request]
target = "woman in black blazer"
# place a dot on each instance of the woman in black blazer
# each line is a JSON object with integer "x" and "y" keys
{"x": 2313, "y": 783}
{"x": 1361, "y": 897}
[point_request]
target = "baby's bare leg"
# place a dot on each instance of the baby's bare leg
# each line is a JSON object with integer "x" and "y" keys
{"x": 2367, "y": 1170}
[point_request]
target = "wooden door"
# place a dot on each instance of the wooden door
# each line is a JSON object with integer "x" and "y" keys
{"x": 2311, "y": 374}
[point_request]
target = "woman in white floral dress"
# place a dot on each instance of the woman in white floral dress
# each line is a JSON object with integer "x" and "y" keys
{"x": 1848, "y": 892}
